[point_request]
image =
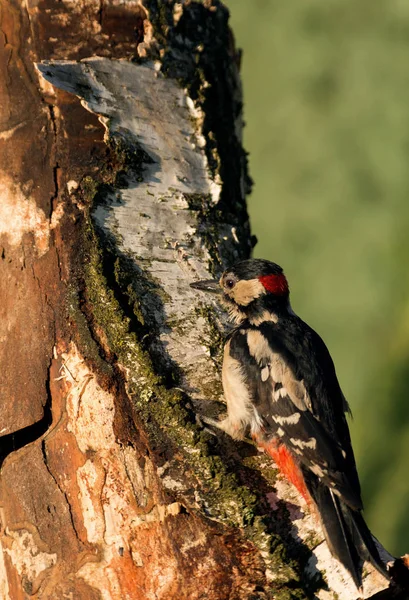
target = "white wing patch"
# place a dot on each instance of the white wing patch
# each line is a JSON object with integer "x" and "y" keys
{"x": 297, "y": 392}
{"x": 317, "y": 470}
{"x": 258, "y": 345}
{"x": 291, "y": 420}
{"x": 265, "y": 373}
{"x": 278, "y": 370}
{"x": 312, "y": 443}
{"x": 280, "y": 393}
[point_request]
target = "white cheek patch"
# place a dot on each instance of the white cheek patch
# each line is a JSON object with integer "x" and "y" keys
{"x": 247, "y": 290}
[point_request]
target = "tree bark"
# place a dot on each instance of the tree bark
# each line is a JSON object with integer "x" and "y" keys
{"x": 123, "y": 179}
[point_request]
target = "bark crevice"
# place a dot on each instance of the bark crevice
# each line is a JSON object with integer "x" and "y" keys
{"x": 12, "y": 442}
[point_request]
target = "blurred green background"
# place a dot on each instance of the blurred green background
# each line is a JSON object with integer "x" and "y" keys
{"x": 326, "y": 90}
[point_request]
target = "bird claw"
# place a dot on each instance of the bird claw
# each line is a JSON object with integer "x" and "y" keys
{"x": 202, "y": 421}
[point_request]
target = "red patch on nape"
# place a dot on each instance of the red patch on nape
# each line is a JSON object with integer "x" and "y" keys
{"x": 284, "y": 460}
{"x": 276, "y": 284}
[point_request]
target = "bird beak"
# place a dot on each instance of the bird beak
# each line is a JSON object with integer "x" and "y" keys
{"x": 207, "y": 285}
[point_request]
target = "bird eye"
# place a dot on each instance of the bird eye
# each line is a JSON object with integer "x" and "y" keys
{"x": 229, "y": 283}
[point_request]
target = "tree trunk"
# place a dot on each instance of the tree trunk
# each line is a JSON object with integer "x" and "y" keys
{"x": 122, "y": 180}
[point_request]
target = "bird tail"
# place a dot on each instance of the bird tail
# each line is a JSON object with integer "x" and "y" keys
{"x": 346, "y": 532}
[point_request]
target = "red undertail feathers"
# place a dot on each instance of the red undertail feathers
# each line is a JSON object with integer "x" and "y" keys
{"x": 287, "y": 466}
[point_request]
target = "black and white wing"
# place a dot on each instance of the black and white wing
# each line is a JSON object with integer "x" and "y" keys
{"x": 296, "y": 396}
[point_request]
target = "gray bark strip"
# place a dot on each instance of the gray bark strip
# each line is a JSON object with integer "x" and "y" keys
{"x": 149, "y": 218}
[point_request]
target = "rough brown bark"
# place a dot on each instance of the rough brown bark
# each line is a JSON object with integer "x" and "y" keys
{"x": 108, "y": 487}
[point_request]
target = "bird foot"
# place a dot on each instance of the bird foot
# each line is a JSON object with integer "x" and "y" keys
{"x": 203, "y": 421}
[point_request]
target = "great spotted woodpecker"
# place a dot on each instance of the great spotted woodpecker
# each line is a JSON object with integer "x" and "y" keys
{"x": 281, "y": 387}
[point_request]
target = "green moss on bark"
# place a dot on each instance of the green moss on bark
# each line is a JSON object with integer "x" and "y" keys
{"x": 166, "y": 413}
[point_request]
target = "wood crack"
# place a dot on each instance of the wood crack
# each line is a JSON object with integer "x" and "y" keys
{"x": 16, "y": 440}
{"x": 56, "y": 166}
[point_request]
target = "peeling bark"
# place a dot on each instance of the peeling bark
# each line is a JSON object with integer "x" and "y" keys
{"x": 122, "y": 180}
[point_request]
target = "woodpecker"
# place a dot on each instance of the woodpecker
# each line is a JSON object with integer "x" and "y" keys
{"x": 281, "y": 387}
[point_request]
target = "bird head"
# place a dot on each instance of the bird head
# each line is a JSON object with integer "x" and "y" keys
{"x": 250, "y": 289}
